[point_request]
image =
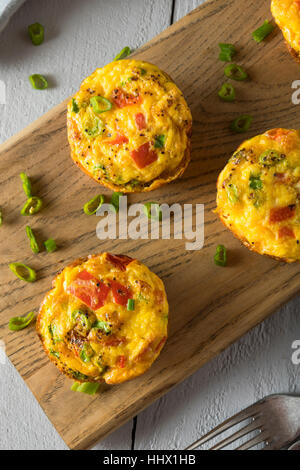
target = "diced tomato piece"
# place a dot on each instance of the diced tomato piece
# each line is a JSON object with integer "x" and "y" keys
{"x": 122, "y": 99}
{"x": 161, "y": 343}
{"x": 278, "y": 214}
{"x": 120, "y": 293}
{"x": 114, "y": 341}
{"x": 285, "y": 231}
{"x": 119, "y": 139}
{"x": 119, "y": 261}
{"x": 144, "y": 155}
{"x": 90, "y": 290}
{"x": 140, "y": 121}
{"x": 121, "y": 361}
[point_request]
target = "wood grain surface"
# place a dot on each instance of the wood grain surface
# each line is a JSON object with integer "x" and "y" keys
{"x": 210, "y": 307}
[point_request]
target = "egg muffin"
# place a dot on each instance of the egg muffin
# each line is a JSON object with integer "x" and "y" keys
{"x": 259, "y": 192}
{"x": 129, "y": 127}
{"x": 105, "y": 320}
{"x": 287, "y": 15}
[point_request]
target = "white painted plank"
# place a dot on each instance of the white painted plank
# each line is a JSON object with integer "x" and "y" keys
{"x": 80, "y": 36}
{"x": 257, "y": 365}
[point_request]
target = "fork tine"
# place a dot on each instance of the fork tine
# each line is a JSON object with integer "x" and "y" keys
{"x": 253, "y": 426}
{"x": 261, "y": 437}
{"x": 236, "y": 419}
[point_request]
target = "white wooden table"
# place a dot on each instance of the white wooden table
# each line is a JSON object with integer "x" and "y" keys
{"x": 82, "y": 35}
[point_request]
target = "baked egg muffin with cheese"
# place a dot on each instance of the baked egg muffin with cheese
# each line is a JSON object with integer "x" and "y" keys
{"x": 129, "y": 127}
{"x": 259, "y": 194}
{"x": 105, "y": 320}
{"x": 287, "y": 15}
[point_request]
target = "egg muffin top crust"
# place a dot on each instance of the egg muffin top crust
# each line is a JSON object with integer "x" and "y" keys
{"x": 287, "y": 15}
{"x": 105, "y": 320}
{"x": 129, "y": 127}
{"x": 259, "y": 194}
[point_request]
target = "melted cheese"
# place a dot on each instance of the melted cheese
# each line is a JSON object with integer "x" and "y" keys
{"x": 287, "y": 15}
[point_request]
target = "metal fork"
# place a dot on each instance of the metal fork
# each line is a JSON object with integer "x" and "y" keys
{"x": 275, "y": 419}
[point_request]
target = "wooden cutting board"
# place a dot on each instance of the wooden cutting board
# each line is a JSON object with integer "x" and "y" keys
{"x": 210, "y": 307}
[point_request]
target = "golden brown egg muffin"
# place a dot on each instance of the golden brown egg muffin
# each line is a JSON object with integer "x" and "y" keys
{"x": 259, "y": 194}
{"x": 105, "y": 320}
{"x": 129, "y": 127}
{"x": 287, "y": 15}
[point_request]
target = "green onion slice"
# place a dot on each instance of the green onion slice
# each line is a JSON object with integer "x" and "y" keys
{"x": 220, "y": 257}
{"x": 50, "y": 245}
{"x": 86, "y": 353}
{"x": 26, "y": 184}
{"x": 235, "y": 72}
{"x": 159, "y": 141}
{"x": 154, "y": 213}
{"x": 241, "y": 123}
{"x": 36, "y": 33}
{"x": 75, "y": 108}
{"x": 93, "y": 127}
{"x": 86, "y": 387}
{"x": 125, "y": 52}
{"x": 115, "y": 201}
{"x": 93, "y": 205}
{"x": 32, "y": 206}
{"x": 227, "y": 52}
{"x": 232, "y": 193}
{"x": 270, "y": 157}
{"x": 23, "y": 272}
{"x": 38, "y": 82}
{"x": 33, "y": 243}
{"x": 130, "y": 304}
{"x": 227, "y": 92}
{"x": 102, "y": 325}
{"x": 100, "y": 104}
{"x": 19, "y": 323}
{"x": 263, "y": 31}
{"x": 255, "y": 182}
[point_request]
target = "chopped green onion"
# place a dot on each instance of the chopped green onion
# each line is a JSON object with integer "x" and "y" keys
{"x": 32, "y": 206}
{"x": 19, "y": 323}
{"x": 86, "y": 353}
{"x": 38, "y": 82}
{"x": 92, "y": 127}
{"x": 155, "y": 214}
{"x": 26, "y": 184}
{"x": 241, "y": 123}
{"x": 255, "y": 182}
{"x": 232, "y": 193}
{"x": 235, "y": 72}
{"x": 23, "y": 272}
{"x": 78, "y": 375}
{"x": 50, "y": 245}
{"x": 220, "y": 257}
{"x": 227, "y": 52}
{"x": 93, "y": 205}
{"x": 82, "y": 320}
{"x": 115, "y": 201}
{"x": 130, "y": 304}
{"x": 55, "y": 353}
{"x": 33, "y": 243}
{"x": 102, "y": 325}
{"x": 36, "y": 33}
{"x": 159, "y": 141}
{"x": 263, "y": 31}
{"x": 53, "y": 333}
{"x": 125, "y": 52}
{"x": 75, "y": 108}
{"x": 227, "y": 92}
{"x": 86, "y": 387}
{"x": 143, "y": 71}
{"x": 100, "y": 104}
{"x": 270, "y": 157}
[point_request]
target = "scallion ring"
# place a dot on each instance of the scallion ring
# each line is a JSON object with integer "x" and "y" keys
{"x": 227, "y": 92}
{"x": 263, "y": 31}
{"x": 220, "y": 257}
{"x": 93, "y": 127}
{"x": 23, "y": 272}
{"x": 36, "y": 33}
{"x": 75, "y": 108}
{"x": 19, "y": 323}
{"x": 125, "y": 52}
{"x": 32, "y": 206}
{"x": 50, "y": 245}
{"x": 100, "y": 104}
{"x": 85, "y": 387}
{"x": 26, "y": 184}
{"x": 227, "y": 51}
{"x": 93, "y": 204}
{"x": 235, "y": 72}
{"x": 115, "y": 201}
{"x": 38, "y": 82}
{"x": 33, "y": 243}
{"x": 241, "y": 123}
